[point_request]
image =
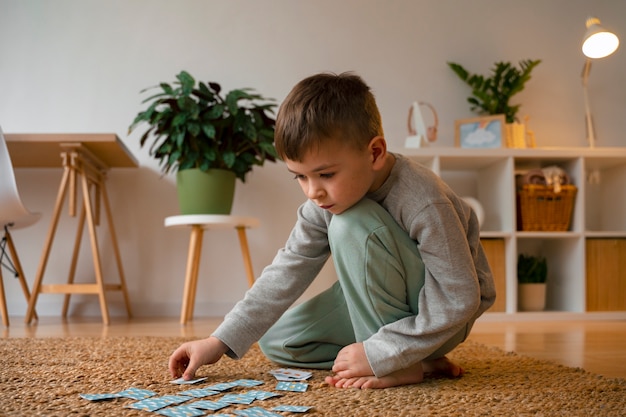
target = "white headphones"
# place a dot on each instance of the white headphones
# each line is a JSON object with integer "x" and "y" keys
{"x": 416, "y": 122}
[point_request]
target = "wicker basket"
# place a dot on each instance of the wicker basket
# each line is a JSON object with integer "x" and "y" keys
{"x": 541, "y": 209}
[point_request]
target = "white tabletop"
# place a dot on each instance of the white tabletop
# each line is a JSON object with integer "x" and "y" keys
{"x": 211, "y": 221}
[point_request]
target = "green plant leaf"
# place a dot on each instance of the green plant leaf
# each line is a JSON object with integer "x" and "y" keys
{"x": 179, "y": 119}
{"x": 186, "y": 82}
{"x": 491, "y": 95}
{"x": 215, "y": 112}
{"x": 532, "y": 269}
{"x": 229, "y": 158}
{"x": 209, "y": 130}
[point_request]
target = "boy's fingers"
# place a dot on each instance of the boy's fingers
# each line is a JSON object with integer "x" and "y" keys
{"x": 176, "y": 370}
{"x": 173, "y": 368}
{"x": 189, "y": 374}
{"x": 177, "y": 362}
{"x": 190, "y": 371}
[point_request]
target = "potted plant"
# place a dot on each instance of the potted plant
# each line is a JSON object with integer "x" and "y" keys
{"x": 204, "y": 136}
{"x": 532, "y": 274}
{"x": 491, "y": 95}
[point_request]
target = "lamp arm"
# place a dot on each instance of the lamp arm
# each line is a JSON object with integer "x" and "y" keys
{"x": 591, "y": 137}
{"x": 586, "y": 71}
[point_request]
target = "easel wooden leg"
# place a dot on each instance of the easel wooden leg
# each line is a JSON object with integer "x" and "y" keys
{"x": 95, "y": 251}
{"x": 30, "y": 312}
{"x": 18, "y": 268}
{"x": 191, "y": 274}
{"x": 116, "y": 250}
{"x": 72, "y": 273}
{"x": 245, "y": 252}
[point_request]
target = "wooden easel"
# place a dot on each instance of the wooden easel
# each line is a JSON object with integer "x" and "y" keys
{"x": 81, "y": 166}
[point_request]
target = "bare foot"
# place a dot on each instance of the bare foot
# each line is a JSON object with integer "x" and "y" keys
{"x": 411, "y": 375}
{"x": 442, "y": 366}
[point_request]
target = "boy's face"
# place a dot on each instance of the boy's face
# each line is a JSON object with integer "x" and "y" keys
{"x": 336, "y": 176}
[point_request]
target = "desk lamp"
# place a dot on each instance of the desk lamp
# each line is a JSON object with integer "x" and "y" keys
{"x": 597, "y": 43}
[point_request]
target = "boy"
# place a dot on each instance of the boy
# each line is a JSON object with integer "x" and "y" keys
{"x": 412, "y": 275}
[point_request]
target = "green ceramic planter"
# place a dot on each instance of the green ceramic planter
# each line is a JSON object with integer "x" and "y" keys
{"x": 202, "y": 192}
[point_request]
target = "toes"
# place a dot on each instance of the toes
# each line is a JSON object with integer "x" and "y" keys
{"x": 330, "y": 381}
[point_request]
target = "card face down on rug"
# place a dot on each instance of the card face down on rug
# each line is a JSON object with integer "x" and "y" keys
{"x": 292, "y": 386}
{"x": 156, "y": 403}
{"x": 181, "y": 411}
{"x": 256, "y": 412}
{"x": 292, "y": 408}
{"x": 132, "y": 393}
{"x": 199, "y": 392}
{"x": 136, "y": 393}
{"x": 210, "y": 405}
{"x": 99, "y": 397}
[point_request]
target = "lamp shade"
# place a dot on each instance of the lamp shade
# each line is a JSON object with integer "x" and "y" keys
{"x": 598, "y": 42}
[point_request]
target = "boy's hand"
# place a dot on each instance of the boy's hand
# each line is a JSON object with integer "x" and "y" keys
{"x": 186, "y": 360}
{"x": 352, "y": 362}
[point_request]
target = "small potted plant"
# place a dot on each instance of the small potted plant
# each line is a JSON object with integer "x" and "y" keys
{"x": 204, "y": 136}
{"x": 491, "y": 95}
{"x": 532, "y": 274}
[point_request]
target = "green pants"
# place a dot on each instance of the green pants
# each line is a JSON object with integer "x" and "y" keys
{"x": 380, "y": 273}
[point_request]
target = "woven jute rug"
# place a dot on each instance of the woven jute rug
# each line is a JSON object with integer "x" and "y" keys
{"x": 45, "y": 377}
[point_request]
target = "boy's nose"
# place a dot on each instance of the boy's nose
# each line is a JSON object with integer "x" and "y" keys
{"x": 314, "y": 192}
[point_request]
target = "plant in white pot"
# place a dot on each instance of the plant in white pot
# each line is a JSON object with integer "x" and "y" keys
{"x": 491, "y": 95}
{"x": 203, "y": 136}
{"x": 532, "y": 274}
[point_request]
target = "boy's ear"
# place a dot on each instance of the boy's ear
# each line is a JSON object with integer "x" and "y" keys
{"x": 378, "y": 149}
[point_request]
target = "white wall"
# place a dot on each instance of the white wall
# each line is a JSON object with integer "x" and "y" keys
{"x": 78, "y": 66}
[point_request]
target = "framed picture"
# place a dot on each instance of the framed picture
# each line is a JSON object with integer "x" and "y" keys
{"x": 480, "y": 132}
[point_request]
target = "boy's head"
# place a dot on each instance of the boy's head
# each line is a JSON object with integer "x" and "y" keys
{"x": 326, "y": 107}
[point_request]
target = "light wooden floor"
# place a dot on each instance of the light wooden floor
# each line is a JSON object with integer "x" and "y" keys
{"x": 598, "y": 346}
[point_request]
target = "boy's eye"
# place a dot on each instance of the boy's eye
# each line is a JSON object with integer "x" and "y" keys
{"x": 301, "y": 177}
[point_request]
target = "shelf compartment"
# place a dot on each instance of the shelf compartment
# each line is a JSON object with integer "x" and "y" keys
{"x": 604, "y": 196}
{"x": 564, "y": 265}
{"x": 488, "y": 180}
{"x": 606, "y": 274}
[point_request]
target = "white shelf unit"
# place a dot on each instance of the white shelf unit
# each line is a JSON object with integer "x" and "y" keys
{"x": 488, "y": 175}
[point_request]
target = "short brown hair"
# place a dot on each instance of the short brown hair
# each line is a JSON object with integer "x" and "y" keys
{"x": 325, "y": 106}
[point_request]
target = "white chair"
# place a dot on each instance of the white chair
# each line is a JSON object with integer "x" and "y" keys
{"x": 13, "y": 215}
